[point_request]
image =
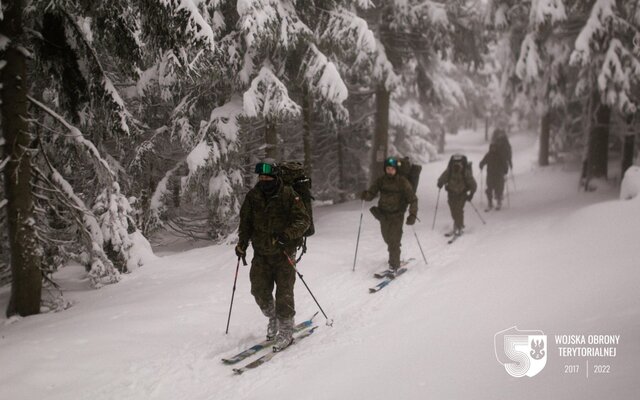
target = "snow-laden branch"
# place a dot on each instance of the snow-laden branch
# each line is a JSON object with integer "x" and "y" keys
{"x": 345, "y": 28}
{"x": 3, "y": 203}
{"x": 269, "y": 97}
{"x": 383, "y": 70}
{"x": 101, "y": 268}
{"x": 322, "y": 77}
{"x": 602, "y": 13}
{"x": 107, "y": 85}
{"x": 446, "y": 86}
{"x": 157, "y": 204}
{"x": 546, "y": 10}
{"x": 77, "y": 137}
{"x": 529, "y": 63}
{"x": 197, "y": 26}
{"x": 619, "y": 69}
{"x": 270, "y": 20}
{"x": 433, "y": 11}
{"x": 4, "y": 163}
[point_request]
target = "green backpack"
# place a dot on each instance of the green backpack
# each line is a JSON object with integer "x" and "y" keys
{"x": 293, "y": 174}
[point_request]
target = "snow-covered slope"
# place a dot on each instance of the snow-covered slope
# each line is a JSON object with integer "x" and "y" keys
{"x": 556, "y": 260}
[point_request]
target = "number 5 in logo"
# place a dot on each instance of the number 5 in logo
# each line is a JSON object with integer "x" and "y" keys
{"x": 521, "y": 352}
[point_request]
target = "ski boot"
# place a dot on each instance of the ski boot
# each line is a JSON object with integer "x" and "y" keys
{"x": 272, "y": 326}
{"x": 499, "y": 205}
{"x": 284, "y": 338}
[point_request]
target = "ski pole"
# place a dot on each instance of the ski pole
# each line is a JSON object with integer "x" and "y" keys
{"x": 293, "y": 265}
{"x": 419, "y": 245}
{"x": 355, "y": 256}
{"x": 481, "y": 189}
{"x": 508, "y": 198}
{"x": 233, "y": 293}
{"x": 513, "y": 178}
{"x": 477, "y": 212}
{"x": 436, "y": 212}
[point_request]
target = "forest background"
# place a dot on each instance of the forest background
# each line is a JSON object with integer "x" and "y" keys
{"x": 122, "y": 120}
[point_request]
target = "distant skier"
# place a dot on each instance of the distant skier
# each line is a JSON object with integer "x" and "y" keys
{"x": 273, "y": 218}
{"x": 500, "y": 139}
{"x": 396, "y": 194}
{"x": 460, "y": 186}
{"x": 497, "y": 168}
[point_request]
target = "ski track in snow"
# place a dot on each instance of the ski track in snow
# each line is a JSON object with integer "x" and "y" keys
{"x": 160, "y": 333}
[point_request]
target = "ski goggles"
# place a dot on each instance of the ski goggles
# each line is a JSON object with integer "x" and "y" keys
{"x": 391, "y": 162}
{"x": 265, "y": 169}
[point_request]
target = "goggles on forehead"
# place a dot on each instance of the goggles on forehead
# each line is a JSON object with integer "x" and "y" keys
{"x": 265, "y": 169}
{"x": 391, "y": 162}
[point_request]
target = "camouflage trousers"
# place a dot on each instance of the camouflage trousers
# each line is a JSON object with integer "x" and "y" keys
{"x": 456, "y": 205}
{"x": 267, "y": 272}
{"x": 391, "y": 228}
{"x": 495, "y": 187}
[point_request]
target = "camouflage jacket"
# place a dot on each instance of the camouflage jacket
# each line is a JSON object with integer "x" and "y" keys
{"x": 262, "y": 219}
{"x": 396, "y": 194}
{"x": 497, "y": 164}
{"x": 458, "y": 183}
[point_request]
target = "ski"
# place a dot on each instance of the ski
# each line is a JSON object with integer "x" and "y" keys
{"x": 383, "y": 274}
{"x": 387, "y": 280}
{"x": 265, "y": 358}
{"x": 453, "y": 239}
{"x": 264, "y": 344}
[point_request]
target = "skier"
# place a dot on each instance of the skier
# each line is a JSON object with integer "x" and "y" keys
{"x": 273, "y": 218}
{"x": 500, "y": 139}
{"x": 460, "y": 186}
{"x": 396, "y": 194}
{"x": 497, "y": 168}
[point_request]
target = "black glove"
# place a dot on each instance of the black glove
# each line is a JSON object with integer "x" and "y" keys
{"x": 440, "y": 185}
{"x": 411, "y": 219}
{"x": 241, "y": 250}
{"x": 363, "y": 195}
{"x": 280, "y": 239}
{"x": 470, "y": 196}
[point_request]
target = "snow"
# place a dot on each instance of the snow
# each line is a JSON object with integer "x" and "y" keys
{"x": 268, "y": 96}
{"x": 601, "y": 13}
{"x": 198, "y": 157}
{"x": 555, "y": 259}
{"x": 630, "y": 186}
{"x": 4, "y": 40}
{"x": 542, "y": 10}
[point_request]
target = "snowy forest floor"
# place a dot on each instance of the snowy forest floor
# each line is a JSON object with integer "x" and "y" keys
{"x": 555, "y": 259}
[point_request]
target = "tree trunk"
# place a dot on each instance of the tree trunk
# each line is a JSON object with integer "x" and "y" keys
{"x": 628, "y": 152}
{"x": 543, "y": 151}
{"x": 270, "y": 139}
{"x": 26, "y": 285}
{"x": 381, "y": 133}
{"x": 306, "y": 131}
{"x": 598, "y": 147}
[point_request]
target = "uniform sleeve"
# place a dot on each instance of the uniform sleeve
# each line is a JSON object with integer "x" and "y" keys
{"x": 300, "y": 219}
{"x": 470, "y": 182}
{"x": 483, "y": 162}
{"x": 245, "y": 230}
{"x": 411, "y": 197}
{"x": 373, "y": 190}
{"x": 442, "y": 180}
